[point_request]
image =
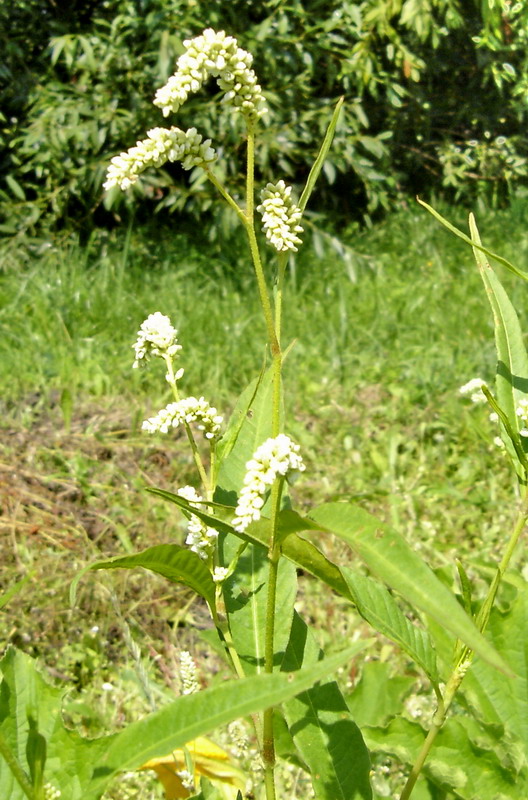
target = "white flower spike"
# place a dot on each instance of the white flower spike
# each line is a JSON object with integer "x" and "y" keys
{"x": 275, "y": 457}
{"x": 156, "y": 337}
{"x": 200, "y": 538}
{"x": 219, "y": 56}
{"x": 162, "y": 145}
{"x": 188, "y": 673}
{"x": 190, "y": 409}
{"x": 280, "y": 217}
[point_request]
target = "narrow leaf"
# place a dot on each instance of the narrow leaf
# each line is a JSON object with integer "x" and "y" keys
{"x": 389, "y": 557}
{"x": 376, "y": 604}
{"x": 321, "y": 156}
{"x": 251, "y": 427}
{"x": 512, "y": 368}
{"x": 474, "y": 242}
{"x": 13, "y": 590}
{"x": 197, "y": 714}
{"x": 372, "y": 600}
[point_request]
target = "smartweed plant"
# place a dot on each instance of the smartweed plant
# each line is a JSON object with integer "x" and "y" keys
{"x": 245, "y": 544}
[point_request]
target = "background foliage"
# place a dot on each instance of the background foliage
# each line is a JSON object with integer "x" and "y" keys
{"x": 435, "y": 101}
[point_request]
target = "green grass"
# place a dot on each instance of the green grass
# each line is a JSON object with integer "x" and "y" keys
{"x": 383, "y": 340}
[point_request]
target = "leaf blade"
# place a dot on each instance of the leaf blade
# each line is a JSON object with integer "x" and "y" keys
{"x": 389, "y": 557}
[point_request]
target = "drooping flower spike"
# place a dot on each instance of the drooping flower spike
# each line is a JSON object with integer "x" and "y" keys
{"x": 160, "y": 146}
{"x": 189, "y": 409}
{"x": 219, "y": 56}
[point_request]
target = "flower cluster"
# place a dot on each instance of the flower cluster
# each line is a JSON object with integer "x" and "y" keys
{"x": 188, "y": 673}
{"x": 190, "y": 409}
{"x": 51, "y": 792}
{"x": 280, "y": 216}
{"x": 522, "y": 413}
{"x": 473, "y": 388}
{"x": 275, "y": 457}
{"x": 156, "y": 337}
{"x": 220, "y": 574}
{"x": 217, "y": 55}
{"x": 162, "y": 145}
{"x": 200, "y": 538}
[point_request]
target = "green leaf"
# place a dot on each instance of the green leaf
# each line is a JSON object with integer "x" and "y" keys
{"x": 240, "y": 413}
{"x": 389, "y": 557}
{"x": 82, "y": 768}
{"x": 31, "y": 724}
{"x": 475, "y": 243}
{"x": 198, "y": 714}
{"x": 327, "y": 738}
{"x": 497, "y": 697}
{"x": 177, "y": 564}
{"x": 13, "y": 590}
{"x": 249, "y": 426}
{"x": 245, "y": 595}
{"x": 462, "y": 760}
{"x": 321, "y": 156}
{"x": 379, "y": 695}
{"x": 15, "y": 187}
{"x": 373, "y": 601}
{"x": 512, "y": 368}
{"x": 376, "y": 604}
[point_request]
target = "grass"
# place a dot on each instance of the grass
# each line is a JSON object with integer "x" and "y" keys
{"x": 383, "y": 340}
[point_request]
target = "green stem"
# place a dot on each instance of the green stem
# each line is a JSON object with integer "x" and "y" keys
{"x": 283, "y": 260}
{"x": 194, "y": 447}
{"x": 225, "y": 635}
{"x": 16, "y": 770}
{"x": 485, "y": 611}
{"x": 263, "y": 291}
{"x": 250, "y": 173}
{"x": 227, "y": 197}
{"x": 465, "y": 659}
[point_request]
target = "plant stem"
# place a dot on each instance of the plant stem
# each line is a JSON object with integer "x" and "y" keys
{"x": 194, "y": 447}
{"x": 273, "y": 329}
{"x": 465, "y": 659}
{"x": 16, "y": 770}
{"x": 263, "y": 291}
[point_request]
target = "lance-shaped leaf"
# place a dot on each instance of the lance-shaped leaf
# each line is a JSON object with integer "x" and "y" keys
{"x": 321, "y": 156}
{"x": 376, "y": 604}
{"x": 474, "y": 242}
{"x": 322, "y": 727}
{"x": 389, "y": 557}
{"x": 177, "y": 564}
{"x": 512, "y": 367}
{"x": 198, "y": 714}
{"x": 248, "y": 428}
{"x": 303, "y": 553}
{"x": 81, "y": 769}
